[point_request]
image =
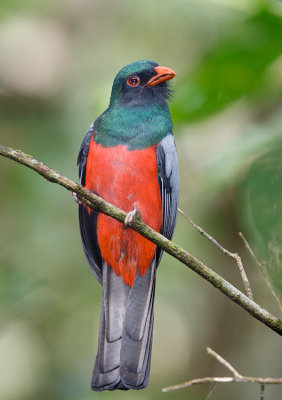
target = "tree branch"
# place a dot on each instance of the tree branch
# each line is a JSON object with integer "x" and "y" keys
{"x": 261, "y": 271}
{"x": 137, "y": 224}
{"x": 235, "y": 256}
{"x": 237, "y": 377}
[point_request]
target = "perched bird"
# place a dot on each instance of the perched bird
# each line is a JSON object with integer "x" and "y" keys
{"x": 128, "y": 158}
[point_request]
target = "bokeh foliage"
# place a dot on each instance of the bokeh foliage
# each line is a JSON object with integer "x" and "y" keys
{"x": 262, "y": 191}
{"x": 57, "y": 63}
{"x": 234, "y": 67}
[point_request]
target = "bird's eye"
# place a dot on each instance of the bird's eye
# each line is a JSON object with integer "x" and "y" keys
{"x": 133, "y": 81}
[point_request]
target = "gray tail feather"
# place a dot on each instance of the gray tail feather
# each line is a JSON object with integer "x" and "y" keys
{"x": 126, "y": 330}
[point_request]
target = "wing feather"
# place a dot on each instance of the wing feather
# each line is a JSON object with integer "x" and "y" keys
{"x": 88, "y": 222}
{"x": 168, "y": 176}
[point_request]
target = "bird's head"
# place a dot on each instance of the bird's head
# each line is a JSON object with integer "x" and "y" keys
{"x": 141, "y": 83}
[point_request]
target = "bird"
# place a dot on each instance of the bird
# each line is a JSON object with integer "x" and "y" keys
{"x": 128, "y": 157}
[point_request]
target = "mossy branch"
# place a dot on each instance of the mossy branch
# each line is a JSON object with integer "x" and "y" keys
{"x": 98, "y": 204}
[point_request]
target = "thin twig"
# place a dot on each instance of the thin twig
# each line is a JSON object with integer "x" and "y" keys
{"x": 235, "y": 256}
{"x": 100, "y": 205}
{"x": 222, "y": 361}
{"x": 262, "y": 390}
{"x": 211, "y": 392}
{"x": 261, "y": 270}
{"x": 237, "y": 377}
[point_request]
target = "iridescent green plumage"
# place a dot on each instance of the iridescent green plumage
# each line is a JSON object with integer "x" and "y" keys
{"x": 137, "y": 117}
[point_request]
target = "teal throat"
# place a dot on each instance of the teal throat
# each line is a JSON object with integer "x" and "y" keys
{"x": 136, "y": 127}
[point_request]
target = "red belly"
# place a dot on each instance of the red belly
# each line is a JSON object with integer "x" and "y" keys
{"x": 126, "y": 179}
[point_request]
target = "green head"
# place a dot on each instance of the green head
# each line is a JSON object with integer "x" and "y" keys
{"x": 138, "y": 114}
{"x": 141, "y": 83}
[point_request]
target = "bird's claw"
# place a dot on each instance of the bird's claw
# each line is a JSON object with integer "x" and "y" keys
{"x": 130, "y": 217}
{"x": 76, "y": 199}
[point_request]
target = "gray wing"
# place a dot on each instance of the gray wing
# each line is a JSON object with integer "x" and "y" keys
{"x": 87, "y": 222}
{"x": 83, "y": 154}
{"x": 168, "y": 176}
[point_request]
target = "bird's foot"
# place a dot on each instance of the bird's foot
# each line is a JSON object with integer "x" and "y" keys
{"x": 76, "y": 199}
{"x": 131, "y": 216}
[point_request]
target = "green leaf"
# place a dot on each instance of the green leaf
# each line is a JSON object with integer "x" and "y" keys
{"x": 262, "y": 204}
{"x": 235, "y": 67}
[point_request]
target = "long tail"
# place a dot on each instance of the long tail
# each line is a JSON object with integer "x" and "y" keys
{"x": 126, "y": 330}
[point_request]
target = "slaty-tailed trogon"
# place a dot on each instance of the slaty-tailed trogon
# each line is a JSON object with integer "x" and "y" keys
{"x": 128, "y": 158}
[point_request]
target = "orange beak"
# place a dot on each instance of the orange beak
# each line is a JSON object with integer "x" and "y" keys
{"x": 163, "y": 74}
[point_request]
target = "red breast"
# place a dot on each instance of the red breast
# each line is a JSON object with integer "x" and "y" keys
{"x": 127, "y": 179}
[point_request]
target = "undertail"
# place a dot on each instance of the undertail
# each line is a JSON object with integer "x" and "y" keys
{"x": 126, "y": 330}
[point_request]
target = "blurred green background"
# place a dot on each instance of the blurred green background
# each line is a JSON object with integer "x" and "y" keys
{"x": 57, "y": 63}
